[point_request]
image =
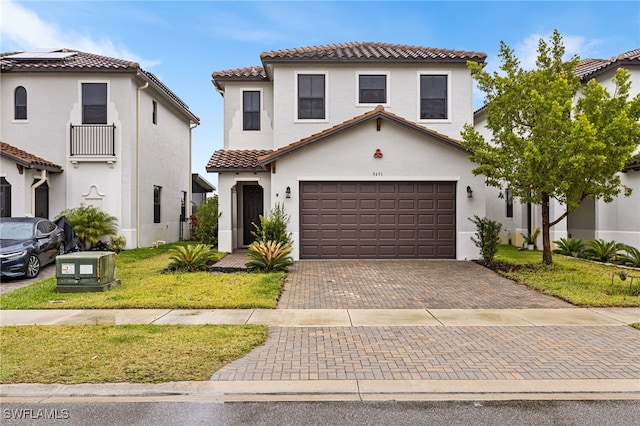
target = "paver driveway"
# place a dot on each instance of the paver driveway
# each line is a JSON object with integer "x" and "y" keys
{"x": 404, "y": 284}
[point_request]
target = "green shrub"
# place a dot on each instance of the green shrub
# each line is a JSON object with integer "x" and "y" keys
{"x": 603, "y": 251}
{"x": 269, "y": 256}
{"x": 487, "y": 237}
{"x": 191, "y": 258}
{"x": 631, "y": 256}
{"x": 570, "y": 247}
{"x": 205, "y": 222}
{"x": 90, "y": 223}
{"x": 531, "y": 238}
{"x": 117, "y": 243}
{"x": 273, "y": 227}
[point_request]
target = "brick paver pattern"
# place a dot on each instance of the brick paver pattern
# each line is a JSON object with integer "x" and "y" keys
{"x": 404, "y": 284}
{"x": 441, "y": 353}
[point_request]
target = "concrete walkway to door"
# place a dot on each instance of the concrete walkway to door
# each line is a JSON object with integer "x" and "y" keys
{"x": 405, "y": 284}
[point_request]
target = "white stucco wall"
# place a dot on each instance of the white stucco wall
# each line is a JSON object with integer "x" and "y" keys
{"x": 234, "y": 135}
{"x": 342, "y": 100}
{"x": 348, "y": 156}
{"x": 54, "y": 103}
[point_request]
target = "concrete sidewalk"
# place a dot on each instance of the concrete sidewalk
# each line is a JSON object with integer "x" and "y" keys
{"x": 330, "y": 317}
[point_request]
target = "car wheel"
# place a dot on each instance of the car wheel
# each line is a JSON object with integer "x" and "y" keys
{"x": 33, "y": 266}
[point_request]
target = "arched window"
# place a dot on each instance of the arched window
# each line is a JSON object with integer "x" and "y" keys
{"x": 20, "y": 103}
{"x": 5, "y": 197}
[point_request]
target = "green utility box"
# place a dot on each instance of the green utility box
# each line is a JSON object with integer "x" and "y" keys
{"x": 86, "y": 271}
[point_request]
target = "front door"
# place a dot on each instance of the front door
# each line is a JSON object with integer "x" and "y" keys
{"x": 252, "y": 208}
{"x": 42, "y": 200}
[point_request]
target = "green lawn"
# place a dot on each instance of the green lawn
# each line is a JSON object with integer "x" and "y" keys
{"x": 578, "y": 281}
{"x": 123, "y": 353}
{"x": 144, "y": 286}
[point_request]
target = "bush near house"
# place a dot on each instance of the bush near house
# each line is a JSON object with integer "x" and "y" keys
{"x": 599, "y": 251}
{"x": 90, "y": 223}
{"x": 273, "y": 227}
{"x": 191, "y": 258}
{"x": 487, "y": 237}
{"x": 204, "y": 223}
{"x": 270, "y": 256}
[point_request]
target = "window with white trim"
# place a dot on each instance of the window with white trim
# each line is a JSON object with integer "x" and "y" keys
{"x": 20, "y": 103}
{"x": 433, "y": 97}
{"x": 251, "y": 110}
{"x": 372, "y": 89}
{"x": 94, "y": 103}
{"x": 311, "y": 97}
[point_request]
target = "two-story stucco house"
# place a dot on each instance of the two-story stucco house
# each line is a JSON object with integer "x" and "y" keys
{"x": 594, "y": 219}
{"x": 359, "y": 142}
{"x": 83, "y": 129}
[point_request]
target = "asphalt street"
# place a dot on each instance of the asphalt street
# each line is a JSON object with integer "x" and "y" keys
{"x": 451, "y": 413}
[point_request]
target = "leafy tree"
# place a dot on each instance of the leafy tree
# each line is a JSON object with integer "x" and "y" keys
{"x": 544, "y": 144}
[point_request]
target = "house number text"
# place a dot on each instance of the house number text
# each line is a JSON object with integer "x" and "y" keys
{"x": 377, "y": 173}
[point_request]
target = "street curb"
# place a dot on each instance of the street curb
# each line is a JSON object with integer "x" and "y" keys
{"x": 327, "y": 390}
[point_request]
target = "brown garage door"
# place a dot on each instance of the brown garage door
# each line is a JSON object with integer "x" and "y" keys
{"x": 377, "y": 220}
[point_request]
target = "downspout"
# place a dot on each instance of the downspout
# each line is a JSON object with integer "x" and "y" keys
{"x": 187, "y": 202}
{"x": 43, "y": 179}
{"x": 141, "y": 88}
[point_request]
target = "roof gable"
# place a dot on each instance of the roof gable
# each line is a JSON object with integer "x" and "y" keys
{"x": 590, "y": 68}
{"x": 379, "y": 113}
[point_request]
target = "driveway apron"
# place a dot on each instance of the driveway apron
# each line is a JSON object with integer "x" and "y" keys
{"x": 436, "y": 352}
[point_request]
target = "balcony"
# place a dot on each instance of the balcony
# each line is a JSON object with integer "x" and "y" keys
{"x": 93, "y": 140}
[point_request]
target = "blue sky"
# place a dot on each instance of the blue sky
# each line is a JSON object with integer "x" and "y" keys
{"x": 183, "y": 42}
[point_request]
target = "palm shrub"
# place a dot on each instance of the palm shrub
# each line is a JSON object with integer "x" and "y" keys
{"x": 191, "y": 258}
{"x": 569, "y": 247}
{"x": 487, "y": 237}
{"x": 631, "y": 256}
{"x": 90, "y": 223}
{"x": 269, "y": 256}
{"x": 603, "y": 251}
{"x": 273, "y": 227}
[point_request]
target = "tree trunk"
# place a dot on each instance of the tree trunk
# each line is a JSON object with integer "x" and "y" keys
{"x": 546, "y": 240}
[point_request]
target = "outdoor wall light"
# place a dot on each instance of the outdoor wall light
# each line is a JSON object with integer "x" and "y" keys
{"x": 469, "y": 192}
{"x": 288, "y": 192}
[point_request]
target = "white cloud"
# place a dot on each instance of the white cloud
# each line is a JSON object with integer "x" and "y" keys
{"x": 527, "y": 50}
{"x": 23, "y": 29}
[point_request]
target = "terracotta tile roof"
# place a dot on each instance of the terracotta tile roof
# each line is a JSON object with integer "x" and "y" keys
{"x": 236, "y": 160}
{"x": 370, "y": 52}
{"x": 378, "y": 112}
{"x": 347, "y": 52}
{"x": 635, "y": 166}
{"x": 27, "y": 159}
{"x": 81, "y": 60}
{"x": 589, "y": 68}
{"x": 76, "y": 61}
{"x": 248, "y": 73}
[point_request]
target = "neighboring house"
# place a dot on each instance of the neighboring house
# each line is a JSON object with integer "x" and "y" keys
{"x": 594, "y": 219}
{"x": 359, "y": 142}
{"x": 112, "y": 134}
{"x": 200, "y": 187}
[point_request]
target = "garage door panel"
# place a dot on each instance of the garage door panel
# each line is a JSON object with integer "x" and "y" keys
{"x": 377, "y": 219}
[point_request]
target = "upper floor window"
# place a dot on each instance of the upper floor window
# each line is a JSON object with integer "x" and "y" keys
{"x": 94, "y": 103}
{"x": 433, "y": 97}
{"x": 311, "y": 96}
{"x": 157, "y": 190}
{"x": 251, "y": 110}
{"x": 20, "y": 103}
{"x": 372, "y": 89}
{"x": 154, "y": 112}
